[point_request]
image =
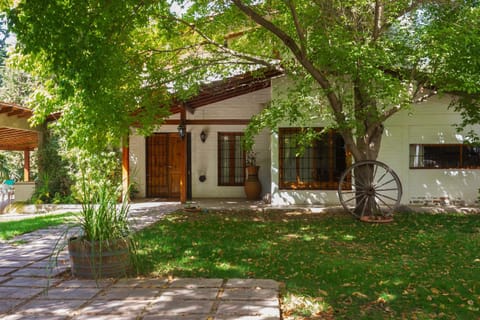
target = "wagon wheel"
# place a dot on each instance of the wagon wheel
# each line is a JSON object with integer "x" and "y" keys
{"x": 370, "y": 189}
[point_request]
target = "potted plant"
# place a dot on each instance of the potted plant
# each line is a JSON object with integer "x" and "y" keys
{"x": 103, "y": 247}
{"x": 252, "y": 185}
{"x": 191, "y": 207}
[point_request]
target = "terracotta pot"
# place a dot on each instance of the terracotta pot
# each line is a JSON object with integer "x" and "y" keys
{"x": 253, "y": 188}
{"x": 376, "y": 219}
{"x": 95, "y": 260}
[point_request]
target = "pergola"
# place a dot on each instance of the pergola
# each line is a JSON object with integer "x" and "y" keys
{"x": 16, "y": 133}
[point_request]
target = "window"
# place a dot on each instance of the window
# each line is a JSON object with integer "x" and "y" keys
{"x": 319, "y": 167}
{"x": 231, "y": 159}
{"x": 444, "y": 156}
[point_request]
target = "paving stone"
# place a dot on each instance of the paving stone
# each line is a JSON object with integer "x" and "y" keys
{"x": 70, "y": 293}
{"x": 179, "y": 307}
{"x": 50, "y": 307}
{"x": 253, "y": 308}
{"x": 5, "y": 263}
{"x": 7, "y": 304}
{"x": 249, "y": 294}
{"x": 133, "y": 307}
{"x": 129, "y": 293}
{"x": 33, "y": 317}
{"x": 188, "y": 294}
{"x": 177, "y": 317}
{"x": 77, "y": 283}
{"x": 252, "y": 283}
{"x": 105, "y": 317}
{"x": 142, "y": 282}
{"x": 18, "y": 293}
{"x": 31, "y": 282}
{"x": 38, "y": 272}
{"x": 23, "y": 275}
{"x": 21, "y": 257}
{"x": 5, "y": 271}
{"x": 47, "y": 263}
{"x": 196, "y": 283}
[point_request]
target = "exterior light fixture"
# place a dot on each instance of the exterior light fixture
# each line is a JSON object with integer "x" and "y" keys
{"x": 203, "y": 136}
{"x": 182, "y": 128}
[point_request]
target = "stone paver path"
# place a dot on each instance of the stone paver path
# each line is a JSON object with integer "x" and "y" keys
{"x": 29, "y": 290}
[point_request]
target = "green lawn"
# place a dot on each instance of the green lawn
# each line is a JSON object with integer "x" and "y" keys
{"x": 10, "y": 229}
{"x": 419, "y": 267}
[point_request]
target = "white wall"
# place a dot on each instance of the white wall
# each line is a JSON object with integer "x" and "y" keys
{"x": 138, "y": 173}
{"x": 204, "y": 155}
{"x": 429, "y": 122}
{"x": 24, "y": 190}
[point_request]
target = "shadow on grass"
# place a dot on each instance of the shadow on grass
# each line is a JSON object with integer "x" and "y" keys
{"x": 419, "y": 265}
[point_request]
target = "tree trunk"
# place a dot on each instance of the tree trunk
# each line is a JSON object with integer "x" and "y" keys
{"x": 368, "y": 147}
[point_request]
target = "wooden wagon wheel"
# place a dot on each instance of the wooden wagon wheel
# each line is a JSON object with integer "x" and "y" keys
{"x": 370, "y": 189}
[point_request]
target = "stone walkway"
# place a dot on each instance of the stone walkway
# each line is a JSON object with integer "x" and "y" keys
{"x": 28, "y": 292}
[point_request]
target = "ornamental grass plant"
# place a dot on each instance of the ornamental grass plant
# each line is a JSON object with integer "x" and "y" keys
{"x": 101, "y": 245}
{"x": 101, "y": 218}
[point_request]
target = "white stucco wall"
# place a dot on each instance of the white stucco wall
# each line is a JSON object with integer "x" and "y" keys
{"x": 429, "y": 122}
{"x": 204, "y": 155}
{"x": 24, "y": 191}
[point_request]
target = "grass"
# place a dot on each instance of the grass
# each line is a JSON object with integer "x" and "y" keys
{"x": 419, "y": 267}
{"x": 10, "y": 229}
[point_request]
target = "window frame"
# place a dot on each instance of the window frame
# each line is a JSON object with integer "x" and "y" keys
{"x": 461, "y": 157}
{"x": 331, "y": 184}
{"x": 232, "y": 160}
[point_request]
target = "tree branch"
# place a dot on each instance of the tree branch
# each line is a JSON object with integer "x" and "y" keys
{"x": 410, "y": 8}
{"x": 290, "y": 43}
{"x": 221, "y": 47}
{"x": 174, "y": 50}
{"x": 378, "y": 18}
{"x": 298, "y": 27}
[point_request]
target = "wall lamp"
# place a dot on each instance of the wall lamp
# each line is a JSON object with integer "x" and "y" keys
{"x": 182, "y": 129}
{"x": 203, "y": 136}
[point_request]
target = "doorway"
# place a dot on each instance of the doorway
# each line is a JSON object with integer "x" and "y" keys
{"x": 165, "y": 158}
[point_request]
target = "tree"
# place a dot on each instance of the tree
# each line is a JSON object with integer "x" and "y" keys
{"x": 88, "y": 55}
{"x": 452, "y": 40}
{"x": 355, "y": 62}
{"x": 4, "y": 35}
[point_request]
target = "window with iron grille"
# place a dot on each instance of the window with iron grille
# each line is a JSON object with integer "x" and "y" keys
{"x": 319, "y": 167}
{"x": 444, "y": 156}
{"x": 231, "y": 159}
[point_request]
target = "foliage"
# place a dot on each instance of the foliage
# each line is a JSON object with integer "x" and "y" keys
{"x": 10, "y": 229}
{"x": 97, "y": 81}
{"x": 100, "y": 218}
{"x": 453, "y": 31}
{"x": 54, "y": 182}
{"x": 4, "y": 35}
{"x": 11, "y": 165}
{"x": 354, "y": 63}
{"x": 421, "y": 266}
{"x": 16, "y": 86}
{"x": 102, "y": 170}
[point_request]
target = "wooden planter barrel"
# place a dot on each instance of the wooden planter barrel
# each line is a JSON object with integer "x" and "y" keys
{"x": 95, "y": 260}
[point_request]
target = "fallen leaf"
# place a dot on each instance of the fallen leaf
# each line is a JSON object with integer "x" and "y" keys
{"x": 359, "y": 295}
{"x": 435, "y": 291}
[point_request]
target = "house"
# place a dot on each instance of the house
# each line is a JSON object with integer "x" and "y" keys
{"x": 16, "y": 134}
{"x": 420, "y": 145}
{"x": 197, "y": 152}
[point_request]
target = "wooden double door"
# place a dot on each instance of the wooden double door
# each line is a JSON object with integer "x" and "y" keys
{"x": 165, "y": 158}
